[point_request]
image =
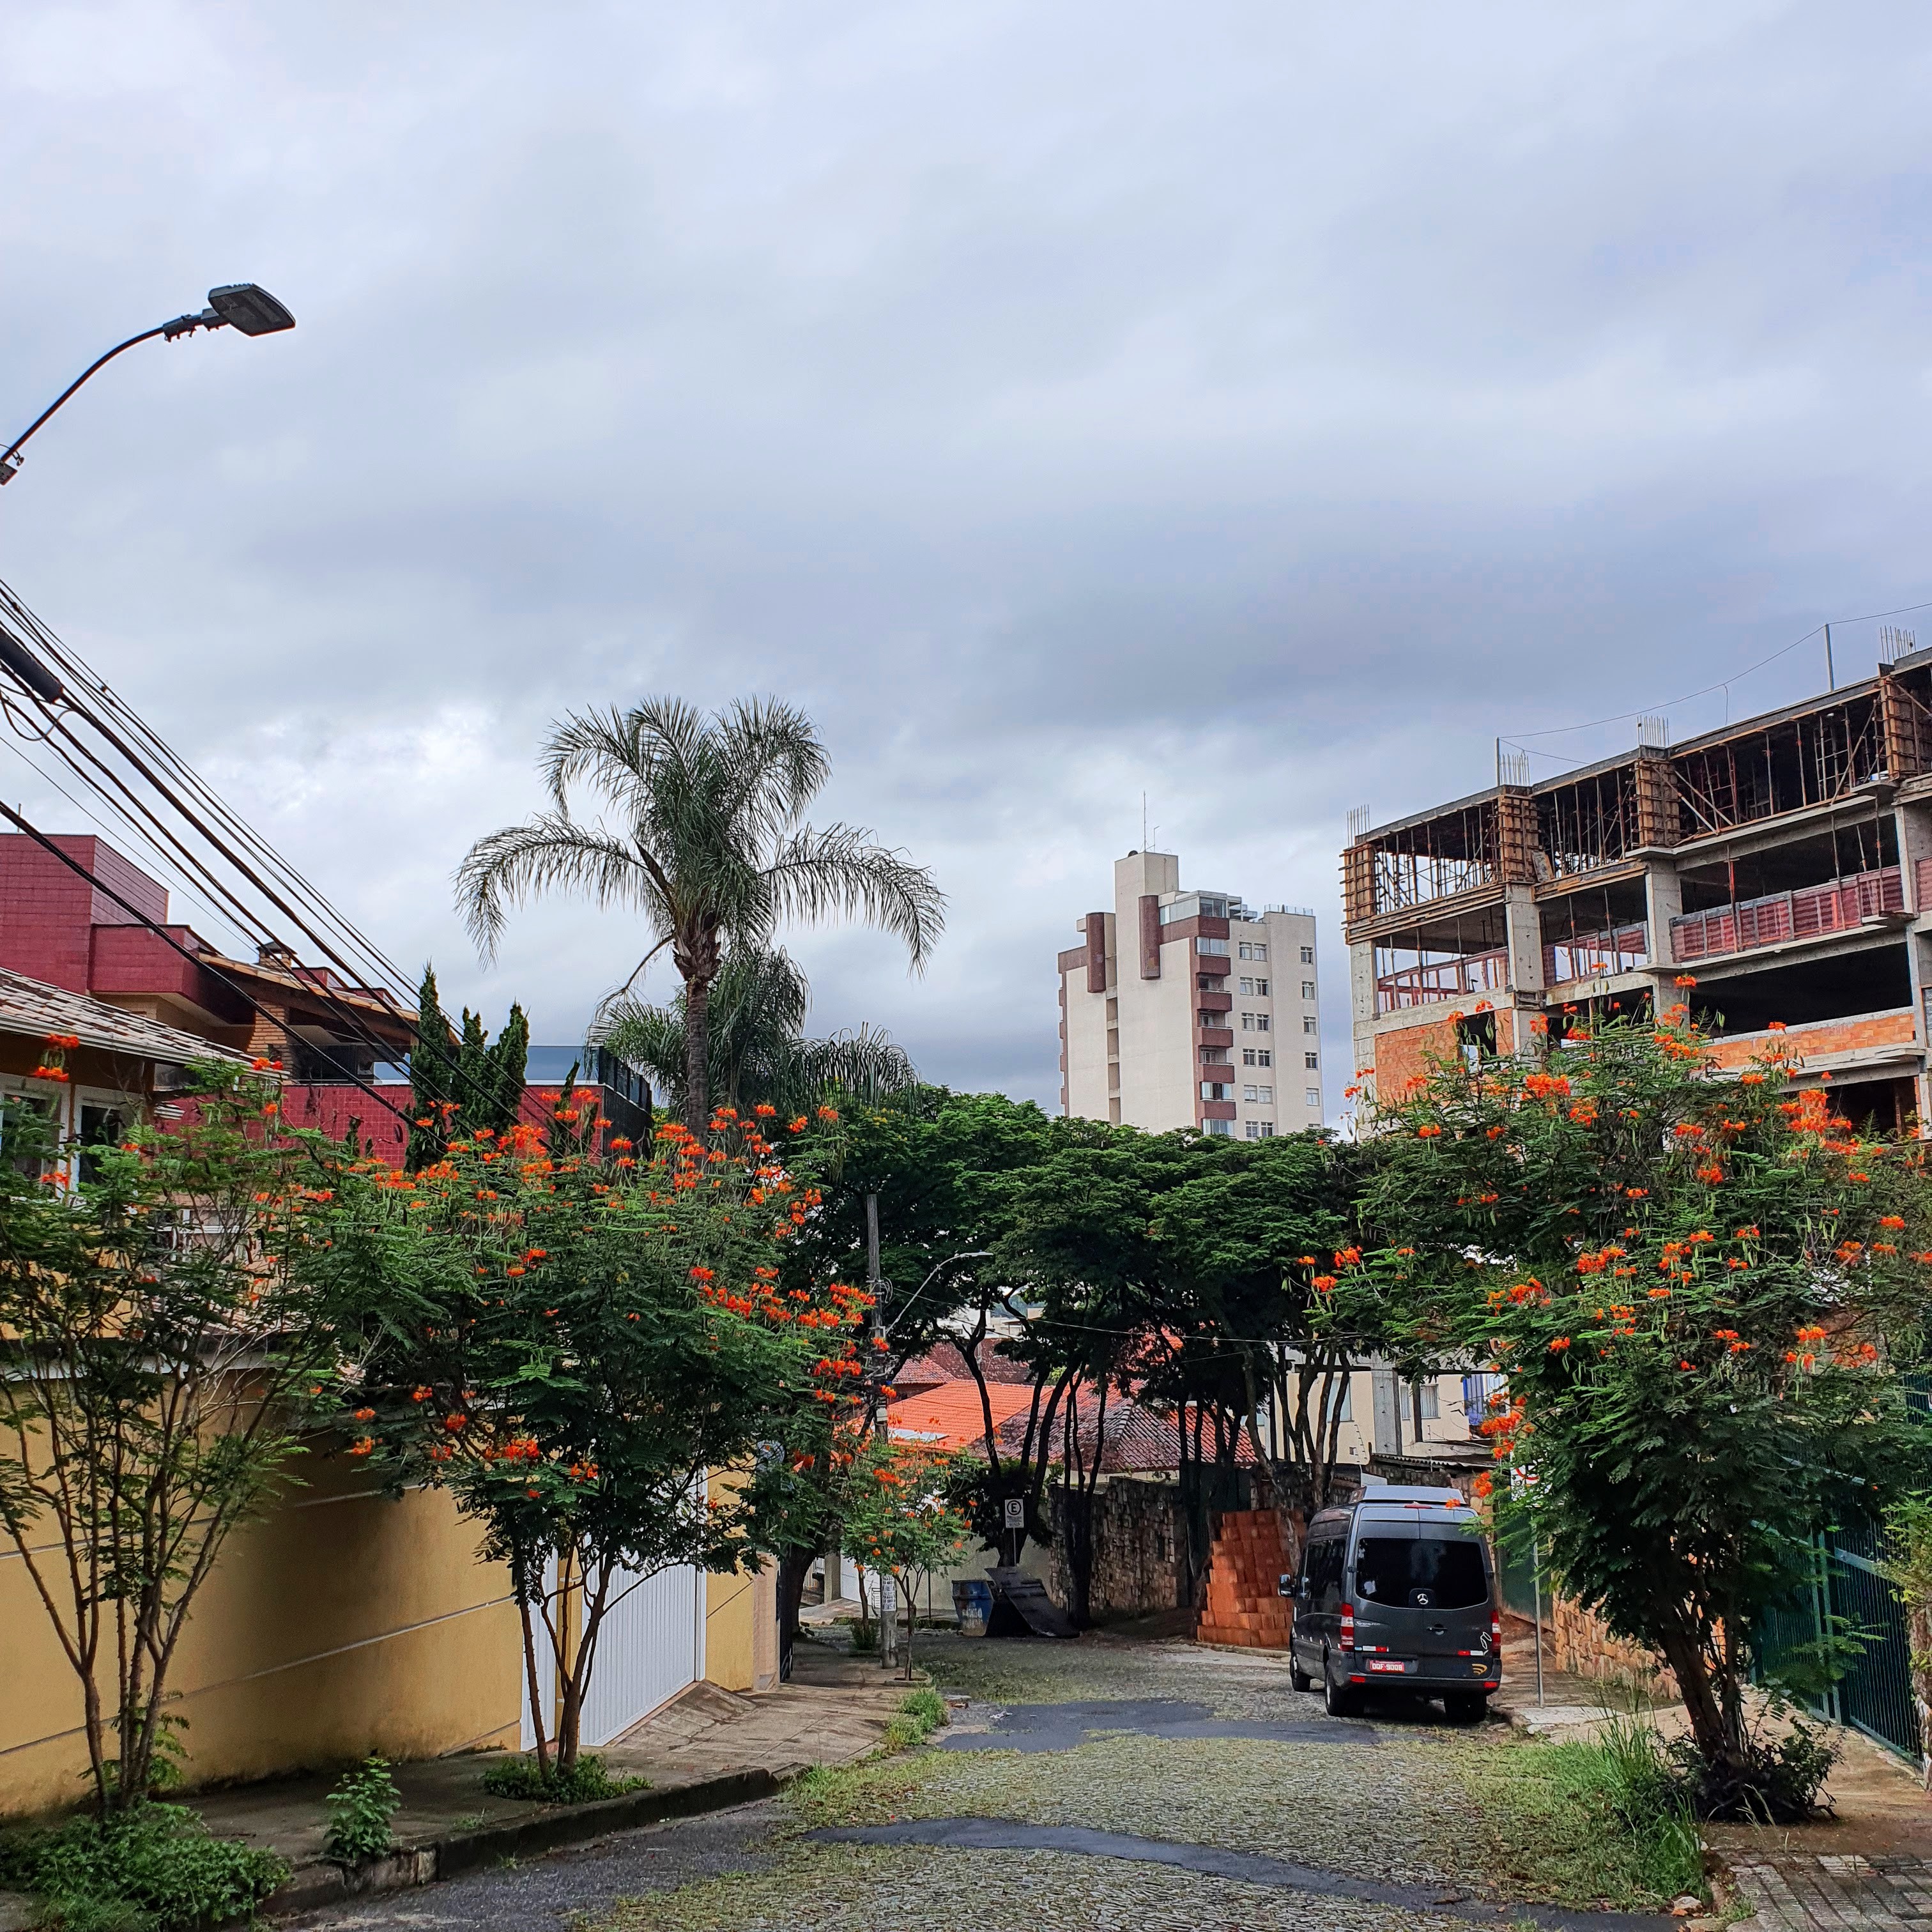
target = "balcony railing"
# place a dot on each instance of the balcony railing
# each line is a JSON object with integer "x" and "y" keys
{"x": 1836, "y": 908}
{"x": 1587, "y": 955}
{"x": 1447, "y": 979}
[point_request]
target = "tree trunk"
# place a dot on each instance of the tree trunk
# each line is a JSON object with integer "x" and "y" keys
{"x": 698, "y": 1053}
{"x": 1702, "y": 1704}
{"x": 794, "y": 1566}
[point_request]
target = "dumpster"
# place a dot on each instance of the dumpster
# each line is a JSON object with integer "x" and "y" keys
{"x": 972, "y": 1604}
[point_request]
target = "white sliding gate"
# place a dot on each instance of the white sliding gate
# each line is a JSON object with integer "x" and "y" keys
{"x": 650, "y": 1647}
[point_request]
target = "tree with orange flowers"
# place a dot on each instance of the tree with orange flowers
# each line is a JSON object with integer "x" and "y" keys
{"x": 901, "y": 1517}
{"x": 573, "y": 1335}
{"x": 1702, "y": 1285}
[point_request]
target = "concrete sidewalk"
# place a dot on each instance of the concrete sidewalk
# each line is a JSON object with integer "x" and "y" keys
{"x": 708, "y": 1748}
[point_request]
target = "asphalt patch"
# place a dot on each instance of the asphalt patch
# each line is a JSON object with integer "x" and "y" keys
{"x": 1000, "y": 1834}
{"x": 1054, "y": 1727}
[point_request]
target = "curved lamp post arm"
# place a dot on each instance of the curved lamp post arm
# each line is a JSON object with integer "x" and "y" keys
{"x": 241, "y": 305}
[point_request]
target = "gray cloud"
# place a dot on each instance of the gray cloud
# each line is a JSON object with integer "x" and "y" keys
{"x": 1262, "y": 408}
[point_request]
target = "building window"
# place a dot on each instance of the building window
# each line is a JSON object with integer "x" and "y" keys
{"x": 1248, "y": 1093}
{"x": 1429, "y": 1400}
{"x": 1214, "y": 1056}
{"x": 1313, "y": 1098}
{"x": 1216, "y": 948}
{"x": 1311, "y": 1025}
{"x": 1268, "y": 1130}
{"x": 1308, "y": 989}
{"x": 1217, "y": 1090}
{"x": 1247, "y": 985}
{"x": 1254, "y": 1130}
{"x": 1308, "y": 955}
{"x": 1253, "y": 948}
{"x": 1247, "y": 1056}
{"x": 1326, "y": 1404}
{"x": 1312, "y": 1061}
{"x": 1265, "y": 1056}
{"x": 1254, "y": 1023}
{"x": 1224, "y": 1130}
{"x": 1262, "y": 988}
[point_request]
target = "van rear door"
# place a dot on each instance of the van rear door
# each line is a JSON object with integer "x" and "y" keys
{"x": 1422, "y": 1599}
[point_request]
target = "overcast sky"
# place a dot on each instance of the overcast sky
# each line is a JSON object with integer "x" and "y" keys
{"x": 1260, "y": 406}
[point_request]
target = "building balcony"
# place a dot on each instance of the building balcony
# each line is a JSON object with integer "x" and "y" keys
{"x": 1213, "y": 1036}
{"x": 1218, "y": 1001}
{"x": 1443, "y": 980}
{"x": 1842, "y": 905}
{"x": 1591, "y": 956}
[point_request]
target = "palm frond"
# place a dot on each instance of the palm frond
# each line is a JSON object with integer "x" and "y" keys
{"x": 837, "y": 868}
{"x": 508, "y": 864}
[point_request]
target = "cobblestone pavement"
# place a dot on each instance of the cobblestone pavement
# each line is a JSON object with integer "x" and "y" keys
{"x": 1206, "y": 1757}
{"x": 1808, "y": 1892}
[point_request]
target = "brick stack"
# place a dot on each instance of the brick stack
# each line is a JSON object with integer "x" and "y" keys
{"x": 1244, "y": 1569}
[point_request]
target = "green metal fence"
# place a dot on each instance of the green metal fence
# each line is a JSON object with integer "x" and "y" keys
{"x": 1875, "y": 1695}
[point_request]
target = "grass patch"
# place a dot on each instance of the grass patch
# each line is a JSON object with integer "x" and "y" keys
{"x": 1606, "y": 1820}
{"x": 158, "y": 1868}
{"x": 588, "y": 1781}
{"x": 854, "y": 1794}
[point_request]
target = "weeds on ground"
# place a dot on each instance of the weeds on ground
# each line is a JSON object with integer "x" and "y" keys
{"x": 360, "y": 1808}
{"x": 854, "y": 1794}
{"x": 157, "y": 1868}
{"x": 1608, "y": 1819}
{"x": 587, "y": 1780}
{"x": 920, "y": 1713}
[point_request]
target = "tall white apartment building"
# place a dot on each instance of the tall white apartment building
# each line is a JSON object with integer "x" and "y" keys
{"x": 1190, "y": 1010}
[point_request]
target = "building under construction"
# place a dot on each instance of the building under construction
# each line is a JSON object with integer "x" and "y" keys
{"x": 1785, "y": 861}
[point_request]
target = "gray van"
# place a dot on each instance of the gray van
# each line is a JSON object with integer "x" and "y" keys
{"x": 1395, "y": 1593}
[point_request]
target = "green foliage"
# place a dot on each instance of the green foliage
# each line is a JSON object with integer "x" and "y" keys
{"x": 1701, "y": 1292}
{"x": 154, "y": 1868}
{"x": 454, "y": 1092}
{"x": 587, "y": 1781}
{"x": 162, "y": 1322}
{"x": 1777, "y": 1781}
{"x": 1607, "y": 1819}
{"x": 1908, "y": 1568}
{"x": 360, "y": 1808}
{"x": 865, "y": 1637}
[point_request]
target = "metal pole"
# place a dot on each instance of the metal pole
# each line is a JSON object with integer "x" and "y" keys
{"x": 872, "y": 1251}
{"x": 1830, "y": 676}
{"x": 1536, "y": 1584}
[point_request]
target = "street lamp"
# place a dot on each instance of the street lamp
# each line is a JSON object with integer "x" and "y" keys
{"x": 238, "y": 305}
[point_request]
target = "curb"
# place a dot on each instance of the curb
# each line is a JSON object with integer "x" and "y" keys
{"x": 314, "y": 1887}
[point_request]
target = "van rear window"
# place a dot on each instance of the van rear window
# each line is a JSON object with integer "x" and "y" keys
{"x": 1430, "y": 1572}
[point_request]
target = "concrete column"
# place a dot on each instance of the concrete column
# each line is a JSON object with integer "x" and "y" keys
{"x": 1663, "y": 902}
{"x": 1362, "y": 1002}
{"x": 1914, "y": 842}
{"x": 1523, "y": 925}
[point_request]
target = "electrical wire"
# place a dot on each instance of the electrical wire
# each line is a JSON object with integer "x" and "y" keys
{"x": 1784, "y": 650}
{"x": 233, "y": 832}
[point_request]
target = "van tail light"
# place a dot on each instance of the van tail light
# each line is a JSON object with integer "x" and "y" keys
{"x": 1348, "y": 1638}
{"x": 1496, "y": 1629}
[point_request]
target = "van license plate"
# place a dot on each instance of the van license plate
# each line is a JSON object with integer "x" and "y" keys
{"x": 1388, "y": 1663}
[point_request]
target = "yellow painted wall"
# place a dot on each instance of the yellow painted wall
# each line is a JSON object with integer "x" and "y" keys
{"x": 741, "y": 1649}
{"x": 340, "y": 1623}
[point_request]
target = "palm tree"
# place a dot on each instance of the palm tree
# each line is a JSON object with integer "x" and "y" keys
{"x": 758, "y": 1050}
{"x": 710, "y": 846}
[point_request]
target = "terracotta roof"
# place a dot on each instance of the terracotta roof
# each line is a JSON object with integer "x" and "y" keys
{"x": 950, "y": 1415}
{"x": 32, "y": 1008}
{"x": 1139, "y": 1439}
{"x": 943, "y": 1362}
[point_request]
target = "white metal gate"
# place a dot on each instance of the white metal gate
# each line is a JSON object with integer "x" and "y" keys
{"x": 650, "y": 1647}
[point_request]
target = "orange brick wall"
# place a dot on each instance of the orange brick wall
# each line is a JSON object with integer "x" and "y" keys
{"x": 1403, "y": 1055}
{"x": 1827, "y": 1036}
{"x": 1244, "y": 1570}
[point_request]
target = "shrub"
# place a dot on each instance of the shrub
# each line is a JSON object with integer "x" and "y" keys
{"x": 360, "y": 1808}
{"x": 154, "y": 1868}
{"x": 926, "y": 1704}
{"x": 865, "y": 1638}
{"x": 586, "y": 1782}
{"x": 1777, "y": 1782}
{"x": 920, "y": 1713}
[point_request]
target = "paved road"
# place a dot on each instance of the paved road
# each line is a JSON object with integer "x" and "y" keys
{"x": 1089, "y": 1785}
